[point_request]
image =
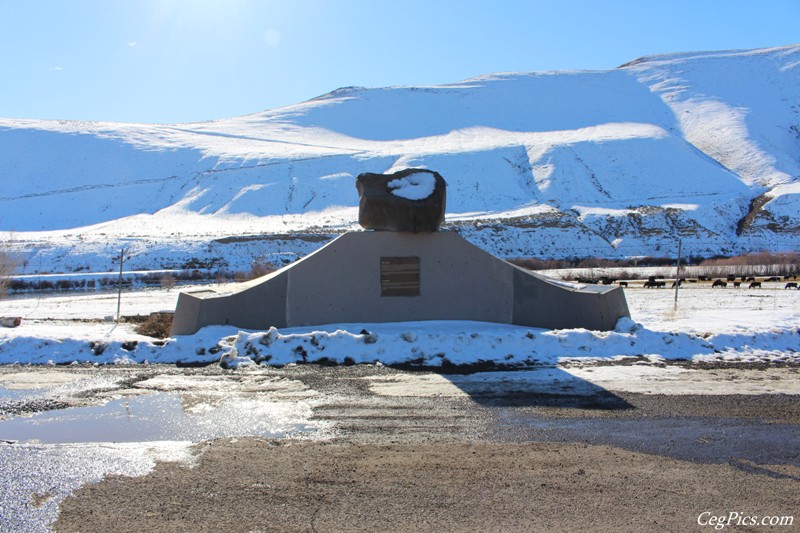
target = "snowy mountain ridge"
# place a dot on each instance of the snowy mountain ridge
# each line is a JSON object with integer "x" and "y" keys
{"x": 702, "y": 147}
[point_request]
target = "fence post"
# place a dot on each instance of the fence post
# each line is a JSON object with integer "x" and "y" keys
{"x": 119, "y": 283}
{"x": 677, "y": 278}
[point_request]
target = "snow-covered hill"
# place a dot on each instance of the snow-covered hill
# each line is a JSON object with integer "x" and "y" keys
{"x": 704, "y": 147}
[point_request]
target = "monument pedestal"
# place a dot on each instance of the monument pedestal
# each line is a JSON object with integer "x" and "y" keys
{"x": 376, "y": 276}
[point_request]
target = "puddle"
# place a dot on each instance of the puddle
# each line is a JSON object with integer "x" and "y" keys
{"x": 162, "y": 417}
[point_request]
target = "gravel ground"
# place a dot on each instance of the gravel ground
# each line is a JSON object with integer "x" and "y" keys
{"x": 500, "y": 460}
{"x": 253, "y": 485}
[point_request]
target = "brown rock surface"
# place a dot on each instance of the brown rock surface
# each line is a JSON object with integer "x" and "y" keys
{"x": 381, "y": 209}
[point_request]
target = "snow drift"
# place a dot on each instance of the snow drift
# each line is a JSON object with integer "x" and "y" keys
{"x": 432, "y": 344}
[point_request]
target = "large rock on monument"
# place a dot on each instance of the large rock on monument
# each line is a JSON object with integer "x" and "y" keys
{"x": 411, "y": 200}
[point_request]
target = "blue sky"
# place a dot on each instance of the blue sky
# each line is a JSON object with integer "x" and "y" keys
{"x": 190, "y": 60}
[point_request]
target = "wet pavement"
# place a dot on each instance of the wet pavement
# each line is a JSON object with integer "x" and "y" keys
{"x": 36, "y": 478}
{"x": 64, "y": 427}
{"x": 160, "y": 417}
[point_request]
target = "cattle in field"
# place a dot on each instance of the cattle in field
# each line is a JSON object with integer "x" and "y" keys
{"x": 731, "y": 277}
{"x": 754, "y": 285}
{"x": 10, "y": 322}
{"x": 718, "y": 283}
{"x": 750, "y": 279}
{"x": 773, "y": 278}
{"x": 791, "y": 285}
{"x": 623, "y": 283}
{"x": 737, "y": 284}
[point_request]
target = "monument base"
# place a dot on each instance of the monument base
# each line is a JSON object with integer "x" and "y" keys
{"x": 375, "y": 276}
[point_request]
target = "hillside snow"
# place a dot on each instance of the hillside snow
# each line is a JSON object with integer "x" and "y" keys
{"x": 703, "y": 146}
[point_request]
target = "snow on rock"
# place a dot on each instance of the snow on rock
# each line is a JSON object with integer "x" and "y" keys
{"x": 416, "y": 186}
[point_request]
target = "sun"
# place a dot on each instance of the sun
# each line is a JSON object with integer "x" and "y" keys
{"x": 200, "y": 15}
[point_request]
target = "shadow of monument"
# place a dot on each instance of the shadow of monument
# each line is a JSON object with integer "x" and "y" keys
{"x": 751, "y": 445}
{"x": 538, "y": 387}
{"x": 512, "y": 398}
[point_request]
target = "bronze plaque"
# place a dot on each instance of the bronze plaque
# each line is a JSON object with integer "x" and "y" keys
{"x": 399, "y": 276}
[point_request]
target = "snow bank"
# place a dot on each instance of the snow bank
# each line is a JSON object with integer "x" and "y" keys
{"x": 428, "y": 344}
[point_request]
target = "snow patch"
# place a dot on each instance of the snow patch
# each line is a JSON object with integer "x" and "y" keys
{"x": 416, "y": 186}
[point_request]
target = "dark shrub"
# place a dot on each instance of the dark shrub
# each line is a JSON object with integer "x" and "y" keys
{"x": 157, "y": 325}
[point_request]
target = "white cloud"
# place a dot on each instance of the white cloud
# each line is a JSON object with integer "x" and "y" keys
{"x": 56, "y": 69}
{"x": 131, "y": 43}
{"x": 272, "y": 37}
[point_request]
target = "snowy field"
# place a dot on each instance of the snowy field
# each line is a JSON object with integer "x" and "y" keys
{"x": 736, "y": 325}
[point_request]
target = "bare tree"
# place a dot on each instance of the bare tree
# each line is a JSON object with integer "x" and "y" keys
{"x": 7, "y": 267}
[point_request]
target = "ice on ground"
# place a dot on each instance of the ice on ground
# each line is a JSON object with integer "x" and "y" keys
{"x": 45, "y": 475}
{"x": 587, "y": 380}
{"x": 220, "y": 386}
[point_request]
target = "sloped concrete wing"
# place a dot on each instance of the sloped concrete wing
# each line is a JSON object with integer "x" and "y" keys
{"x": 376, "y": 276}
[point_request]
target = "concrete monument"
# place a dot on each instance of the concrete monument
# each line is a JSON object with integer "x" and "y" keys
{"x": 401, "y": 269}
